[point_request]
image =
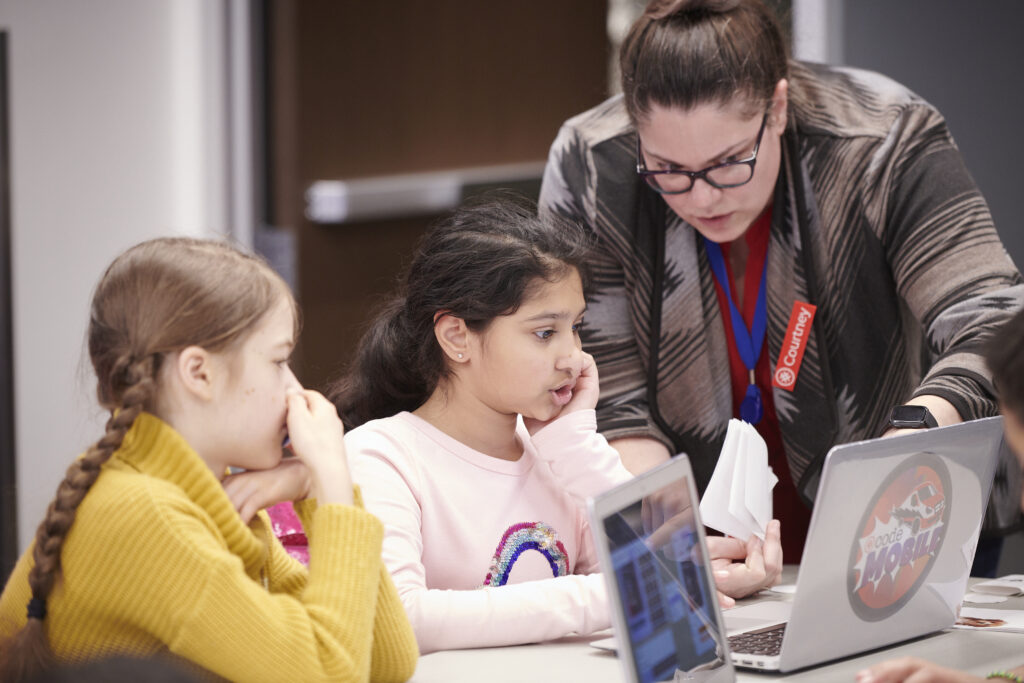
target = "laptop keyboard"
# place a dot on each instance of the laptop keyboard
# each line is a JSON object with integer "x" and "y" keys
{"x": 764, "y": 641}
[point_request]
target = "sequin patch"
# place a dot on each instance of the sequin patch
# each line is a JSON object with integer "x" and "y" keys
{"x": 519, "y": 538}
{"x": 288, "y": 528}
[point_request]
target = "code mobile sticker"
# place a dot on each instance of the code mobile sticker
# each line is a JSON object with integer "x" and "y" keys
{"x": 899, "y": 537}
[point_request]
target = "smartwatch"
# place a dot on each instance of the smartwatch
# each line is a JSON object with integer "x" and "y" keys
{"x": 911, "y": 417}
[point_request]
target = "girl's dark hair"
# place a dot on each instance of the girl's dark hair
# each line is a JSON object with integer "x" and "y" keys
{"x": 479, "y": 263}
{"x": 684, "y": 53}
{"x": 158, "y": 297}
{"x": 1004, "y": 353}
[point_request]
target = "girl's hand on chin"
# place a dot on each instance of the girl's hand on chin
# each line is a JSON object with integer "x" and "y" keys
{"x": 317, "y": 437}
{"x": 587, "y": 389}
{"x": 584, "y": 395}
{"x": 257, "y": 490}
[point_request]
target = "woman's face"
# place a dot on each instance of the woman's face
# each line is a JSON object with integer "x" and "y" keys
{"x": 710, "y": 134}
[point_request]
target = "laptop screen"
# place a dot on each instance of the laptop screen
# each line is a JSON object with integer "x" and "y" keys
{"x": 663, "y": 587}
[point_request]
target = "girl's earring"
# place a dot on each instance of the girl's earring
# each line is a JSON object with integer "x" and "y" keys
{"x": 460, "y": 355}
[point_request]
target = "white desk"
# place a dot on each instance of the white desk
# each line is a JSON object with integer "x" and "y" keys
{"x": 573, "y": 659}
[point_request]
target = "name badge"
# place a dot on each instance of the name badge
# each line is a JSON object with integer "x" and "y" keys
{"x": 793, "y": 346}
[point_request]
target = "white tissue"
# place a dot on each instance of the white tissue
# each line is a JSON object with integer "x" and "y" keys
{"x": 738, "y": 499}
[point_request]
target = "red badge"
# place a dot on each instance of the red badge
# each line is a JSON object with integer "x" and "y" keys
{"x": 793, "y": 346}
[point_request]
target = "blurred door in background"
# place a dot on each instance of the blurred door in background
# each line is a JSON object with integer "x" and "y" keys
{"x": 358, "y": 89}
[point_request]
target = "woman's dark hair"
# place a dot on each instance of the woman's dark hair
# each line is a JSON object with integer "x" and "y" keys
{"x": 479, "y": 263}
{"x": 156, "y": 298}
{"x": 684, "y": 53}
{"x": 1004, "y": 353}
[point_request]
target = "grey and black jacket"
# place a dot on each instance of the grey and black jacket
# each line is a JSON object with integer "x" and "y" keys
{"x": 876, "y": 221}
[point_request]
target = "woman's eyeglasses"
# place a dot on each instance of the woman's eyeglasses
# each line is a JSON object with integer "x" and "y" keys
{"x": 724, "y": 175}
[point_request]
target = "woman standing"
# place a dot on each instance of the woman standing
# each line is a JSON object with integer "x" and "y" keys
{"x": 797, "y": 245}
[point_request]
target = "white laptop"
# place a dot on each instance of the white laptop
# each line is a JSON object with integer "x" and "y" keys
{"x": 887, "y": 557}
{"x": 663, "y": 602}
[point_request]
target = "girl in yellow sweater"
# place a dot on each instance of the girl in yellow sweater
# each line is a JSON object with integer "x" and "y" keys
{"x": 146, "y": 550}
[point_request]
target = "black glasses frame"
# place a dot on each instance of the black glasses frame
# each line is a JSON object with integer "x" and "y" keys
{"x": 651, "y": 177}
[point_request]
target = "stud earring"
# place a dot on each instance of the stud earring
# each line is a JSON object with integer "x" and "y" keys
{"x": 460, "y": 355}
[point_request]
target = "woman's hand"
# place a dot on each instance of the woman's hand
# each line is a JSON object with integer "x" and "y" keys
{"x": 317, "y": 438}
{"x": 256, "y": 490}
{"x": 761, "y": 565}
{"x": 584, "y": 395}
{"x": 913, "y": 670}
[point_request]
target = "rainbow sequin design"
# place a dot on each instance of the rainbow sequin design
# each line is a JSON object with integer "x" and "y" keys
{"x": 519, "y": 538}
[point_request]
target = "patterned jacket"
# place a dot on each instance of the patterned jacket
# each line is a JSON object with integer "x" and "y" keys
{"x": 877, "y": 222}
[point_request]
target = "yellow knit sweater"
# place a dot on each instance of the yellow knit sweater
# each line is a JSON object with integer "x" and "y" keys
{"x": 158, "y": 561}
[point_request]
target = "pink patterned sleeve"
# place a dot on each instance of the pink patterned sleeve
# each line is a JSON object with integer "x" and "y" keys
{"x": 288, "y": 529}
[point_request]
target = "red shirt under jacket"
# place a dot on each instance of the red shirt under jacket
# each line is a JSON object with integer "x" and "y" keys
{"x": 793, "y": 515}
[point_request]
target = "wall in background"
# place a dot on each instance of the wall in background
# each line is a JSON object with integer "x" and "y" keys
{"x": 118, "y": 120}
{"x": 359, "y": 90}
{"x": 965, "y": 59}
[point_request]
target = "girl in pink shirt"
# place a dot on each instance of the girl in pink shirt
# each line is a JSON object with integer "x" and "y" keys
{"x": 476, "y": 439}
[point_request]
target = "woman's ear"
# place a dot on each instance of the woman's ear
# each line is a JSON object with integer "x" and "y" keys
{"x": 453, "y": 336}
{"x": 196, "y": 370}
{"x": 780, "y": 105}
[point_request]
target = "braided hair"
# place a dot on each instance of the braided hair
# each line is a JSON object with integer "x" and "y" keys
{"x": 156, "y": 298}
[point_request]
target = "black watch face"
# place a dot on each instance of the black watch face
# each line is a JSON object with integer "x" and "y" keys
{"x": 909, "y": 416}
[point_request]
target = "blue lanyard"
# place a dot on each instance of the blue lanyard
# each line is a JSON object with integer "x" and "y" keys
{"x": 748, "y": 343}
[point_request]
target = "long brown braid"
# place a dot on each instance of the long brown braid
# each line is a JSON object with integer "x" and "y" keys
{"x": 156, "y": 298}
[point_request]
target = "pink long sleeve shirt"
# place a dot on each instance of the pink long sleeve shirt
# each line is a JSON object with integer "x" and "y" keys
{"x": 484, "y": 551}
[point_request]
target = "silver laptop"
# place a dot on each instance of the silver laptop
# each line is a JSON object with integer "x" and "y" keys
{"x": 888, "y": 552}
{"x": 664, "y": 607}
{"x": 887, "y": 557}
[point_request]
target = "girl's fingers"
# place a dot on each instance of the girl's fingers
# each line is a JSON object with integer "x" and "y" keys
{"x": 755, "y": 555}
{"x": 237, "y": 487}
{"x": 893, "y": 670}
{"x": 298, "y": 408}
{"x": 248, "y": 511}
{"x": 318, "y": 404}
{"x": 589, "y": 368}
{"x": 311, "y": 419}
{"x": 587, "y": 389}
{"x": 912, "y": 670}
{"x": 243, "y": 498}
{"x": 773, "y": 551}
{"x": 726, "y": 547}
